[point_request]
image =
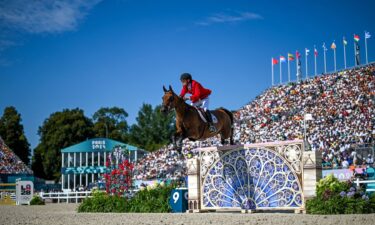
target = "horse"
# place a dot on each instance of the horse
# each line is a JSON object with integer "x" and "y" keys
{"x": 190, "y": 125}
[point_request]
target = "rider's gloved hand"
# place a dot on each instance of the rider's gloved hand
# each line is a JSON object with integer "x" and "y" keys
{"x": 186, "y": 98}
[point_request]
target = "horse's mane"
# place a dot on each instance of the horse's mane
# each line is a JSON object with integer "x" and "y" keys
{"x": 182, "y": 100}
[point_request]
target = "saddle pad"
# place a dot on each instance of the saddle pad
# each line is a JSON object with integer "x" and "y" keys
{"x": 203, "y": 117}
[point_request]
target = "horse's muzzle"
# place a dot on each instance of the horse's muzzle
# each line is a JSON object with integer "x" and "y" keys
{"x": 164, "y": 109}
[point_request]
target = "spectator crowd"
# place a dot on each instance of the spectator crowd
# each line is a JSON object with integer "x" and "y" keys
{"x": 10, "y": 163}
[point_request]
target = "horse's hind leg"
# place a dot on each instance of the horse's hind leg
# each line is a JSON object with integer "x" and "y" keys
{"x": 222, "y": 140}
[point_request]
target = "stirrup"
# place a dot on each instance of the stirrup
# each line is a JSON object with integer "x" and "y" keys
{"x": 212, "y": 128}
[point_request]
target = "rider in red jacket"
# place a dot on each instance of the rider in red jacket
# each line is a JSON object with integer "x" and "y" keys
{"x": 199, "y": 95}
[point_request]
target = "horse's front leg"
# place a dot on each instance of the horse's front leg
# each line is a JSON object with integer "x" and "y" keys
{"x": 177, "y": 139}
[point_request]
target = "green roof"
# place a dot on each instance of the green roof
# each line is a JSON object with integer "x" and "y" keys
{"x": 97, "y": 145}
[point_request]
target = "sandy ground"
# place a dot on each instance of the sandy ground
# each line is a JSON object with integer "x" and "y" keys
{"x": 66, "y": 214}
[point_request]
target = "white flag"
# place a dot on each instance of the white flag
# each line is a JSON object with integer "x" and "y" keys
{"x": 367, "y": 35}
{"x": 307, "y": 51}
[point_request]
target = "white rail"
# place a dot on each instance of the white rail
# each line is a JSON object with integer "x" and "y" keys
{"x": 66, "y": 196}
{"x": 357, "y": 182}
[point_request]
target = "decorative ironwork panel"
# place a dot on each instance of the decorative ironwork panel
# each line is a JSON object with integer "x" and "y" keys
{"x": 253, "y": 178}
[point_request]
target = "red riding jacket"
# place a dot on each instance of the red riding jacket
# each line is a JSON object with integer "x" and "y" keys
{"x": 197, "y": 91}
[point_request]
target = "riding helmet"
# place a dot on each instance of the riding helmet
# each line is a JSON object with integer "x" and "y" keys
{"x": 186, "y": 76}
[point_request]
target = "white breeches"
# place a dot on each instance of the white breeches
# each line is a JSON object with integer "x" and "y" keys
{"x": 203, "y": 104}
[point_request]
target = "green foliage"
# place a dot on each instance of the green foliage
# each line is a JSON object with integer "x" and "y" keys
{"x": 60, "y": 130}
{"x": 37, "y": 200}
{"x": 148, "y": 200}
{"x": 153, "y": 129}
{"x": 336, "y": 197}
{"x": 113, "y": 121}
{"x": 12, "y": 132}
{"x": 151, "y": 200}
{"x": 102, "y": 202}
{"x": 331, "y": 183}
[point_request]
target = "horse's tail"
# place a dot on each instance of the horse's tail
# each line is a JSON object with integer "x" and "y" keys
{"x": 230, "y": 114}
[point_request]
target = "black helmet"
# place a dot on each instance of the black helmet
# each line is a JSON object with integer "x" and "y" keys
{"x": 186, "y": 76}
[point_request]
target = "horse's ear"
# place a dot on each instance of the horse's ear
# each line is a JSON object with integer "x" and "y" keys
{"x": 170, "y": 89}
{"x": 164, "y": 89}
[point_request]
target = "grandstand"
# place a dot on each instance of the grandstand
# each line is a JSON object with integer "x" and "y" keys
{"x": 343, "y": 111}
{"x": 10, "y": 163}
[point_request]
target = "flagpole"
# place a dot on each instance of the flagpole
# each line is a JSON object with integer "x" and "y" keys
{"x": 280, "y": 72}
{"x": 306, "y": 63}
{"x": 324, "y": 54}
{"x": 288, "y": 69}
{"x": 314, "y": 60}
{"x": 296, "y": 67}
{"x": 334, "y": 57}
{"x": 344, "y": 54}
{"x": 272, "y": 70}
{"x": 355, "y": 54}
{"x": 366, "y": 48}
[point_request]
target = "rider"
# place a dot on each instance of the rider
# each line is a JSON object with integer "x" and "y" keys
{"x": 199, "y": 96}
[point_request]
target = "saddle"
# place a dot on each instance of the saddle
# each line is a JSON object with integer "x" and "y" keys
{"x": 203, "y": 115}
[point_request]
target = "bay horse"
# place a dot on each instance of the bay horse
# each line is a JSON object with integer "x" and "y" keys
{"x": 189, "y": 123}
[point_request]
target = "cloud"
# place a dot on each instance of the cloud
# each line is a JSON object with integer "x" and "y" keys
{"x": 43, "y": 16}
{"x": 40, "y": 16}
{"x": 229, "y": 18}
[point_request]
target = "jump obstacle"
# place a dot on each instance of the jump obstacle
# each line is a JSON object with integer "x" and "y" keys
{"x": 253, "y": 177}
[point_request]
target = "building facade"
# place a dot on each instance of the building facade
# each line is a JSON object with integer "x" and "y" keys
{"x": 84, "y": 164}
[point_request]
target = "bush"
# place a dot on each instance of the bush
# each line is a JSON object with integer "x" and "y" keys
{"x": 149, "y": 200}
{"x": 102, "y": 202}
{"x": 152, "y": 200}
{"x": 37, "y": 200}
{"x": 336, "y": 197}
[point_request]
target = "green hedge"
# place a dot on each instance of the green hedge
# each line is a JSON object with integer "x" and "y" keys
{"x": 151, "y": 200}
{"x": 148, "y": 200}
{"x": 101, "y": 202}
{"x": 337, "y": 197}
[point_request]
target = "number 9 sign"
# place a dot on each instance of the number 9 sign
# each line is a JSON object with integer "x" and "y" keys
{"x": 177, "y": 202}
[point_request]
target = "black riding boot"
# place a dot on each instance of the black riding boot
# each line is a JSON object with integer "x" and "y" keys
{"x": 212, "y": 128}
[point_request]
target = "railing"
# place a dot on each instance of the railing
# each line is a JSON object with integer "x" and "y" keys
{"x": 357, "y": 182}
{"x": 67, "y": 196}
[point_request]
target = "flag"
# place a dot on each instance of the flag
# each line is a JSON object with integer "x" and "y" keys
{"x": 274, "y": 61}
{"x": 356, "y": 37}
{"x": 367, "y": 35}
{"x": 307, "y": 51}
{"x": 282, "y": 59}
{"x": 298, "y": 55}
{"x": 315, "y": 52}
{"x": 324, "y": 47}
{"x": 344, "y": 41}
{"x": 290, "y": 57}
{"x": 333, "y": 46}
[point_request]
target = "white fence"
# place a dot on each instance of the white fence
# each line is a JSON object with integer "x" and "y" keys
{"x": 68, "y": 197}
{"x": 358, "y": 182}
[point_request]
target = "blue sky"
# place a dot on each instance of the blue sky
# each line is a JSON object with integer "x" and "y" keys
{"x": 91, "y": 53}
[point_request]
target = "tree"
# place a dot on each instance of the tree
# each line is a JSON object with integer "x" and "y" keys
{"x": 11, "y": 130}
{"x": 153, "y": 129}
{"x": 113, "y": 121}
{"x": 60, "y": 130}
